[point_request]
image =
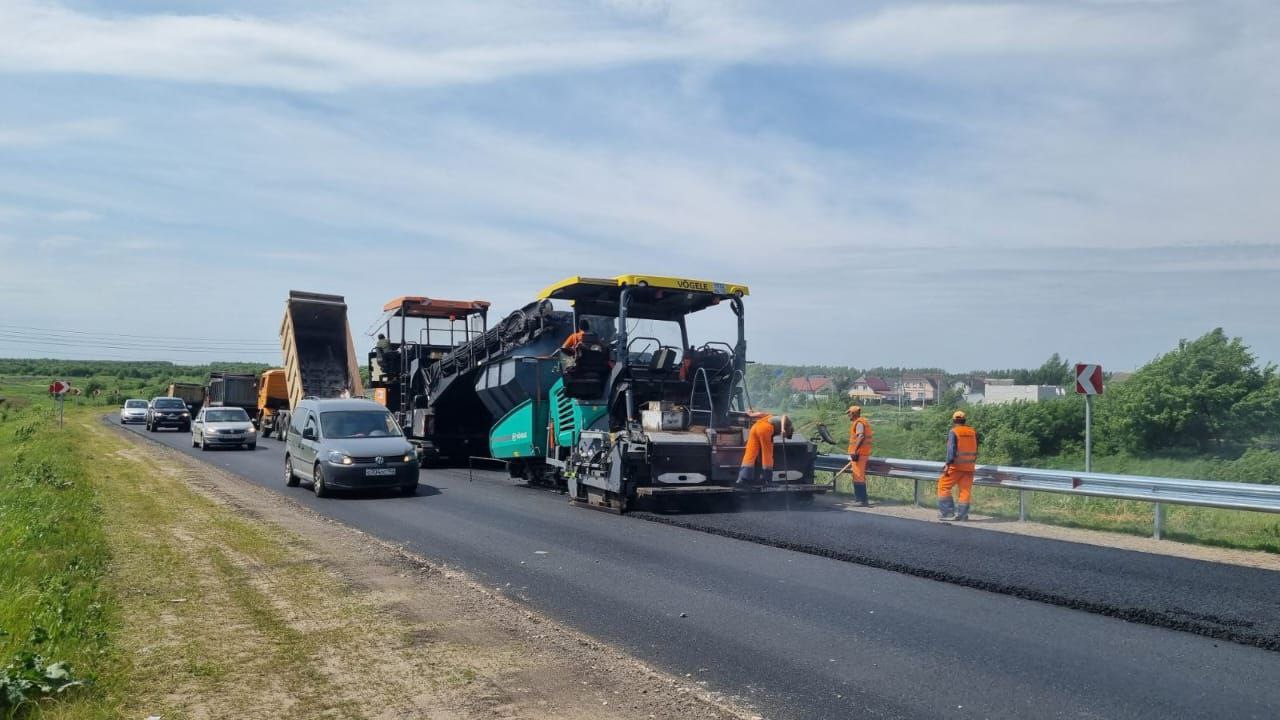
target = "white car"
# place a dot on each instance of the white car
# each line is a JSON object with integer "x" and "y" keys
{"x": 133, "y": 410}
{"x": 223, "y": 427}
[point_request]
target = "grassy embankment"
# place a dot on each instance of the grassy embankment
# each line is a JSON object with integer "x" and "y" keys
{"x": 145, "y": 598}
{"x": 1226, "y": 528}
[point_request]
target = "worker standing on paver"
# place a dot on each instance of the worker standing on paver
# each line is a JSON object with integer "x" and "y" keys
{"x": 860, "y": 442}
{"x": 962, "y": 459}
{"x": 759, "y": 450}
{"x": 575, "y": 339}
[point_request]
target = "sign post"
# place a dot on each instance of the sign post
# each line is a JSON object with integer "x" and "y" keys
{"x": 1088, "y": 383}
{"x": 59, "y": 388}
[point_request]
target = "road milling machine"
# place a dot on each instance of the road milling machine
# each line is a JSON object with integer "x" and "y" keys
{"x": 639, "y": 409}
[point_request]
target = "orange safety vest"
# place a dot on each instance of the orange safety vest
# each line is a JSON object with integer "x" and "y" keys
{"x": 759, "y": 444}
{"x": 867, "y": 435}
{"x": 966, "y": 447}
{"x": 573, "y": 340}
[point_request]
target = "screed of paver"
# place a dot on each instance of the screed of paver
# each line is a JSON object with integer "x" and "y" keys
{"x": 264, "y": 608}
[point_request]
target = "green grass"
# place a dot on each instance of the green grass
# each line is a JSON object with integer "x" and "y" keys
{"x": 52, "y": 602}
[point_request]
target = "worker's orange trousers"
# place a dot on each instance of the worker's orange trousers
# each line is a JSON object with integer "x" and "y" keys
{"x": 962, "y": 480}
{"x": 859, "y": 468}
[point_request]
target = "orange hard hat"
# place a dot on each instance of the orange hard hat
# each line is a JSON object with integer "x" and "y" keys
{"x": 853, "y": 409}
{"x": 958, "y": 415}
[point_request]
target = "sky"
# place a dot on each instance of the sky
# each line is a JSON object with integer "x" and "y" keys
{"x": 929, "y": 184}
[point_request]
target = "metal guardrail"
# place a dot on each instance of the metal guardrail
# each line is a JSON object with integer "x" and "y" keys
{"x": 1157, "y": 490}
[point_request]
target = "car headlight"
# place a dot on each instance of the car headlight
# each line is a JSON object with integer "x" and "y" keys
{"x": 340, "y": 458}
{"x": 410, "y": 457}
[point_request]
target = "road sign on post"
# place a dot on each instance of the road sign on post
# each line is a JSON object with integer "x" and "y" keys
{"x": 59, "y": 389}
{"x": 1088, "y": 379}
{"x": 1088, "y": 383}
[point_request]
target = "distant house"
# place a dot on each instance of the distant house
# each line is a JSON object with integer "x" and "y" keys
{"x": 923, "y": 389}
{"x": 812, "y": 387}
{"x": 870, "y": 388}
{"x": 1005, "y": 393}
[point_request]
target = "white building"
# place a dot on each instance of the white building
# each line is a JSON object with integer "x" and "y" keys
{"x": 999, "y": 393}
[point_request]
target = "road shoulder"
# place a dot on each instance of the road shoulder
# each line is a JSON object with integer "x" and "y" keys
{"x": 243, "y": 603}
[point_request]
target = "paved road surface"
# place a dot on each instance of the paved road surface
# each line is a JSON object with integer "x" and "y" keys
{"x": 796, "y": 634}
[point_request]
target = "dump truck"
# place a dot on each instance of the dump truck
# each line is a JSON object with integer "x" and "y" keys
{"x": 190, "y": 393}
{"x": 232, "y": 390}
{"x": 425, "y": 364}
{"x": 319, "y": 355}
{"x": 273, "y": 397}
{"x": 639, "y": 410}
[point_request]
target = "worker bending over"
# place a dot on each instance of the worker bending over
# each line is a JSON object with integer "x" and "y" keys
{"x": 962, "y": 458}
{"x": 759, "y": 450}
{"x": 860, "y": 437}
{"x": 575, "y": 339}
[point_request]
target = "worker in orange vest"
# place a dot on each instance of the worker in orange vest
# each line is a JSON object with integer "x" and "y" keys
{"x": 575, "y": 339}
{"x": 759, "y": 448}
{"x": 962, "y": 458}
{"x": 860, "y": 443}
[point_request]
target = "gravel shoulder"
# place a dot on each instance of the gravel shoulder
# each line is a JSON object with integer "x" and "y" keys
{"x": 241, "y": 603}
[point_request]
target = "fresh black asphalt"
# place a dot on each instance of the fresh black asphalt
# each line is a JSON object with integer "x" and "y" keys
{"x": 801, "y": 635}
{"x": 1227, "y": 602}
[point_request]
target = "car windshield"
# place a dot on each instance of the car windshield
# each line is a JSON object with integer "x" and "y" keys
{"x": 136, "y": 404}
{"x": 170, "y": 404}
{"x": 227, "y": 415}
{"x": 358, "y": 423}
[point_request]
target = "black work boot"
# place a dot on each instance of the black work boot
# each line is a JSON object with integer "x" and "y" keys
{"x": 962, "y": 511}
{"x": 860, "y": 495}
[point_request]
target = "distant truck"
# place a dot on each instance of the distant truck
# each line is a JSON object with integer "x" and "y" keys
{"x": 319, "y": 355}
{"x": 190, "y": 393}
{"x": 232, "y": 390}
{"x": 273, "y": 397}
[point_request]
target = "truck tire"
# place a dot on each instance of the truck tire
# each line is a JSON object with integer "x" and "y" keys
{"x": 290, "y": 479}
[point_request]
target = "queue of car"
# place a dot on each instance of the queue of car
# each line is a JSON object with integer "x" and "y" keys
{"x": 338, "y": 444}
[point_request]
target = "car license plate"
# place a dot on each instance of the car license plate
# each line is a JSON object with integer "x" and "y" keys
{"x": 379, "y": 471}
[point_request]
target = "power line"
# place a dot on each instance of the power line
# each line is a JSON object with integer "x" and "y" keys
{"x": 128, "y": 345}
{"x": 205, "y": 351}
{"x": 112, "y": 335}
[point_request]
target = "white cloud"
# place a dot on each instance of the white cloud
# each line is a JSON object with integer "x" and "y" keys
{"x": 55, "y": 133}
{"x": 462, "y": 43}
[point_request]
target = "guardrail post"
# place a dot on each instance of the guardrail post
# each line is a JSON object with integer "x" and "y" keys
{"x": 1159, "y": 531}
{"x": 916, "y": 493}
{"x": 1022, "y": 506}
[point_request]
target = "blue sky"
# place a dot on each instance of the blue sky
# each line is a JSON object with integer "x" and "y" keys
{"x": 953, "y": 184}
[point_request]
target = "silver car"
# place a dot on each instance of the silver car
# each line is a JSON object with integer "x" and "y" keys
{"x": 133, "y": 410}
{"x": 223, "y": 427}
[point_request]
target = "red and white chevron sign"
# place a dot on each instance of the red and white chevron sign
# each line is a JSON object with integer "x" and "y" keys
{"x": 1088, "y": 379}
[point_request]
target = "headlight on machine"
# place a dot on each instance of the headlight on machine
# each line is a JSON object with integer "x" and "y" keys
{"x": 340, "y": 458}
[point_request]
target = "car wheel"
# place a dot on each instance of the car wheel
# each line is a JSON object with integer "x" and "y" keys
{"x": 204, "y": 445}
{"x": 317, "y": 483}
{"x": 193, "y": 440}
{"x": 409, "y": 490}
{"x": 185, "y": 428}
{"x": 289, "y": 478}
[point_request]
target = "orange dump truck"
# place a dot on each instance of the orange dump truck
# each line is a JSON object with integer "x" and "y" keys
{"x": 273, "y": 396}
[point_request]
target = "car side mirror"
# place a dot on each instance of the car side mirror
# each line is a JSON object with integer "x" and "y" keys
{"x": 198, "y": 421}
{"x": 308, "y": 433}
